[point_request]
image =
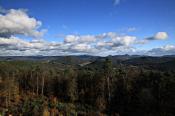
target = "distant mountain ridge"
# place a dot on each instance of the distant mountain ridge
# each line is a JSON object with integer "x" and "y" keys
{"x": 85, "y": 57}
{"x": 150, "y": 62}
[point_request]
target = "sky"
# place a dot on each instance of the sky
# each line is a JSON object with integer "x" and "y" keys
{"x": 87, "y": 27}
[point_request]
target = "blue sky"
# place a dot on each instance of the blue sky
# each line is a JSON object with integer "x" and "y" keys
{"x": 137, "y": 18}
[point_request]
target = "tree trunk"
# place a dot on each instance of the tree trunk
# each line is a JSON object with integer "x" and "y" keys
{"x": 42, "y": 90}
{"x": 9, "y": 90}
{"x": 31, "y": 77}
{"x": 108, "y": 89}
{"x": 37, "y": 84}
{"x": 6, "y": 101}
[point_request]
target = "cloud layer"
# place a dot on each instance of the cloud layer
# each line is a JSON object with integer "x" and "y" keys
{"x": 18, "y": 22}
{"x": 164, "y": 50}
{"x": 103, "y": 44}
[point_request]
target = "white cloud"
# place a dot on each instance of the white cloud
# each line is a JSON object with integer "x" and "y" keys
{"x": 110, "y": 34}
{"x": 14, "y": 22}
{"x": 18, "y": 22}
{"x": 14, "y": 43}
{"x": 87, "y": 38}
{"x": 80, "y": 38}
{"x": 104, "y": 43}
{"x": 71, "y": 38}
{"x": 159, "y": 36}
{"x": 164, "y": 50}
{"x": 81, "y": 47}
{"x": 169, "y": 47}
{"x": 103, "y": 47}
{"x": 73, "y": 44}
{"x": 124, "y": 40}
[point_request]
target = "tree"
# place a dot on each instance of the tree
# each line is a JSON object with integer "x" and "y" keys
{"x": 108, "y": 75}
{"x": 71, "y": 81}
{"x": 38, "y": 72}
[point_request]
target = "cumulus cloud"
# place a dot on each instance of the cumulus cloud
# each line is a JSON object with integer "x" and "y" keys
{"x": 15, "y": 22}
{"x": 72, "y": 44}
{"x": 104, "y": 44}
{"x": 88, "y": 38}
{"x": 15, "y": 43}
{"x": 159, "y": 36}
{"x": 80, "y": 38}
{"x": 81, "y": 47}
{"x": 71, "y": 38}
{"x": 123, "y": 40}
{"x": 164, "y": 50}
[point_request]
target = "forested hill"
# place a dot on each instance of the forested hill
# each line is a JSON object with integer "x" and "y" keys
{"x": 162, "y": 62}
{"x": 87, "y": 86}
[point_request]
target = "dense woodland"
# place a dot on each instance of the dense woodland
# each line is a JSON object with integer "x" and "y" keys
{"x": 88, "y": 86}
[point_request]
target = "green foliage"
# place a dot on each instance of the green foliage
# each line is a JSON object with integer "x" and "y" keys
{"x": 73, "y": 90}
